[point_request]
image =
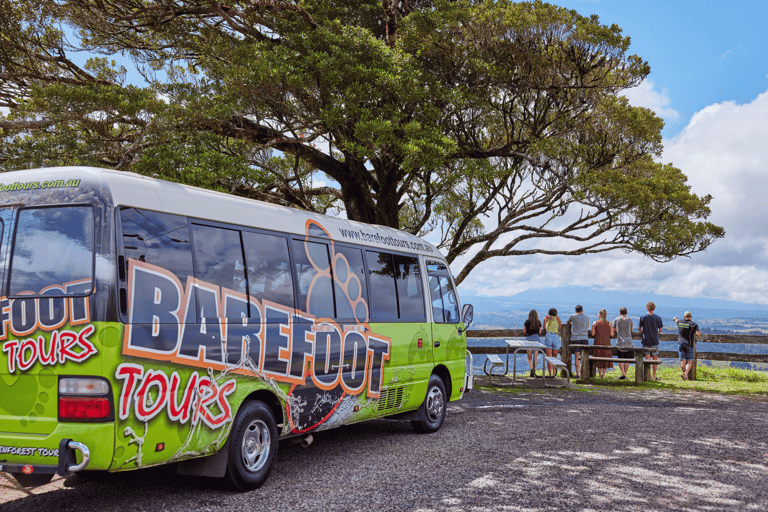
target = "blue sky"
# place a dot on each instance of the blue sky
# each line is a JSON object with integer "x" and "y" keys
{"x": 709, "y": 81}
{"x": 700, "y": 51}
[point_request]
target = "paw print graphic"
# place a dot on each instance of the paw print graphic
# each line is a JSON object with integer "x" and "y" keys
{"x": 334, "y": 270}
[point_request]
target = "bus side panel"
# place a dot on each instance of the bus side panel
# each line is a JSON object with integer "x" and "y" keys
{"x": 451, "y": 353}
{"x": 167, "y": 412}
{"x": 405, "y": 375}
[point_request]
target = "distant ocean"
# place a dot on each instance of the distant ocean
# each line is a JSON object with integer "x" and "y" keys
{"x": 669, "y": 346}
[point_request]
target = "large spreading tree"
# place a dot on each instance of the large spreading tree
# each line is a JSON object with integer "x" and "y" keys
{"x": 499, "y": 127}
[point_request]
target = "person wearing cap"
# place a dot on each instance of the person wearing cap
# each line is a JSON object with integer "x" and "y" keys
{"x": 687, "y": 330}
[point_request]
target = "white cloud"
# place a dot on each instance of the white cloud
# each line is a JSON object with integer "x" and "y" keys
{"x": 645, "y": 95}
{"x": 723, "y": 152}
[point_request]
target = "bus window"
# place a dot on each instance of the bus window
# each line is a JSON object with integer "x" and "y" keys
{"x": 349, "y": 285}
{"x": 269, "y": 269}
{"x": 218, "y": 260}
{"x": 409, "y": 292}
{"x": 160, "y": 239}
{"x": 445, "y": 307}
{"x": 5, "y": 221}
{"x": 313, "y": 272}
{"x": 52, "y": 246}
{"x": 381, "y": 273}
{"x": 436, "y": 266}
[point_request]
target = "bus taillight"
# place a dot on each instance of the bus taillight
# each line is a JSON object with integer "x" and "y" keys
{"x": 83, "y": 408}
{"x": 84, "y": 399}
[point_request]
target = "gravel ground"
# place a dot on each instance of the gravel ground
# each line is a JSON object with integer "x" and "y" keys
{"x": 622, "y": 449}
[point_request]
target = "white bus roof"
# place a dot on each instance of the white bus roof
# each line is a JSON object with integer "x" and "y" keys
{"x": 131, "y": 189}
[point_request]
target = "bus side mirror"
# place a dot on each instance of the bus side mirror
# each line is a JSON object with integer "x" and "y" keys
{"x": 467, "y": 314}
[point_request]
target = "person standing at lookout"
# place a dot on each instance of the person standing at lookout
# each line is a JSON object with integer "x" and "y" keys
{"x": 602, "y": 330}
{"x": 650, "y": 327}
{"x": 531, "y": 329}
{"x": 623, "y": 327}
{"x": 579, "y": 323}
{"x": 687, "y": 330}
{"x": 551, "y": 330}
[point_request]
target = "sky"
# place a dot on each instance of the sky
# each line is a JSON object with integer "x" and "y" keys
{"x": 709, "y": 82}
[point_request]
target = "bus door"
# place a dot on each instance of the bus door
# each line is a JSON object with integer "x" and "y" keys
{"x": 445, "y": 314}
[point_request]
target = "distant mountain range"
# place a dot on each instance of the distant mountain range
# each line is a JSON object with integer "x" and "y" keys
{"x": 565, "y": 299}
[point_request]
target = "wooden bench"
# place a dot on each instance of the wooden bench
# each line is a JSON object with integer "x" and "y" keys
{"x": 588, "y": 366}
{"x": 642, "y": 373}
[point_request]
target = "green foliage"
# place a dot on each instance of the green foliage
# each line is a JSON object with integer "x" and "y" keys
{"x": 495, "y": 125}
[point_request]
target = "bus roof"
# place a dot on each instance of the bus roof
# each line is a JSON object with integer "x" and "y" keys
{"x": 131, "y": 189}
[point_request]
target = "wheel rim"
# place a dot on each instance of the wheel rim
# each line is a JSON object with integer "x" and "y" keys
{"x": 435, "y": 404}
{"x": 256, "y": 445}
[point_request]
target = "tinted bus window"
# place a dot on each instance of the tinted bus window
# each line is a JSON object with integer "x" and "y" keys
{"x": 381, "y": 275}
{"x": 313, "y": 272}
{"x": 52, "y": 246}
{"x": 219, "y": 261}
{"x": 349, "y": 285}
{"x": 445, "y": 307}
{"x": 436, "y": 266}
{"x": 160, "y": 239}
{"x": 409, "y": 290}
{"x": 269, "y": 269}
{"x": 5, "y": 221}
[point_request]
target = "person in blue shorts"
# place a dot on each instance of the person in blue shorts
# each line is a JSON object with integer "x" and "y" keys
{"x": 687, "y": 330}
{"x": 551, "y": 330}
{"x": 650, "y": 327}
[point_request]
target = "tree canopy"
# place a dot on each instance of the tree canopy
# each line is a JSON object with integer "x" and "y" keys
{"x": 497, "y": 126}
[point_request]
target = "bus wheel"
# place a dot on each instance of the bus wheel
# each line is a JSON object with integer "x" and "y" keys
{"x": 33, "y": 480}
{"x": 433, "y": 407}
{"x": 252, "y": 447}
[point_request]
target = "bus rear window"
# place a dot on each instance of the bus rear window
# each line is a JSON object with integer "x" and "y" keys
{"x": 52, "y": 246}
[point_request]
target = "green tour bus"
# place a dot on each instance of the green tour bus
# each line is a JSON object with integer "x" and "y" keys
{"x": 144, "y": 322}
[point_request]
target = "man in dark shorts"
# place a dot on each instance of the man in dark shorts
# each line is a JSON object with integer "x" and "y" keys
{"x": 650, "y": 326}
{"x": 687, "y": 330}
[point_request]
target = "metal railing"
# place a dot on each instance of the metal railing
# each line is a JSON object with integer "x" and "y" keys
{"x": 565, "y": 336}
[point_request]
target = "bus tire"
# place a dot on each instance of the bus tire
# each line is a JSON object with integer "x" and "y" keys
{"x": 33, "y": 480}
{"x": 252, "y": 447}
{"x": 433, "y": 408}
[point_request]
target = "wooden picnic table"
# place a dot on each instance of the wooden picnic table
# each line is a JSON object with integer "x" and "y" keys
{"x": 588, "y": 363}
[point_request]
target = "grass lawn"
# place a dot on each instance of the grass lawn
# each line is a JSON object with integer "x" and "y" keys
{"x": 712, "y": 380}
